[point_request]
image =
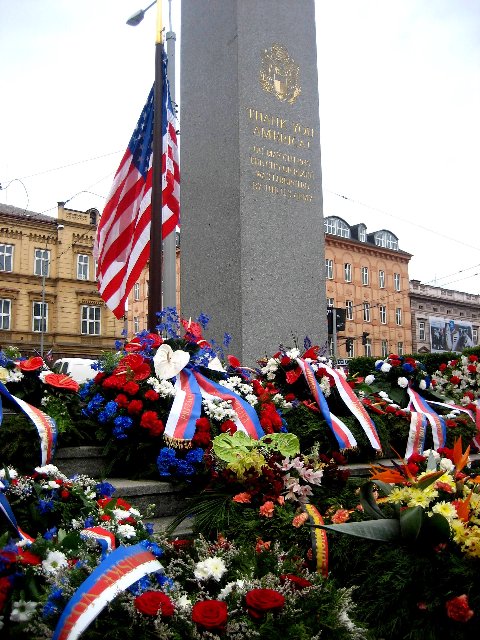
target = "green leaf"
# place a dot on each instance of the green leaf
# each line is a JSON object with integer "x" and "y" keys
{"x": 398, "y": 395}
{"x": 368, "y": 501}
{"x": 437, "y": 527}
{"x": 227, "y": 447}
{"x": 411, "y": 520}
{"x": 384, "y": 486}
{"x": 382, "y": 530}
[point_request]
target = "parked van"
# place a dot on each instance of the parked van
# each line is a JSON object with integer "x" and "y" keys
{"x": 79, "y": 368}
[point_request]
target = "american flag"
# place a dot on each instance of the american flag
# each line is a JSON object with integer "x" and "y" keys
{"x": 122, "y": 243}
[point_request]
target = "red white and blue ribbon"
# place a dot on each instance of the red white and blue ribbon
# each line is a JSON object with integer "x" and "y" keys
{"x": 186, "y": 407}
{"x": 416, "y": 434}
{"x": 105, "y": 538}
{"x": 355, "y": 406}
{"x": 118, "y": 571}
{"x": 437, "y": 423}
{"x": 46, "y": 426}
{"x": 6, "y": 509}
{"x": 342, "y": 433}
{"x": 473, "y": 415}
{"x": 246, "y": 419}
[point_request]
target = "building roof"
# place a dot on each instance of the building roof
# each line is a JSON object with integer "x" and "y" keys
{"x": 24, "y": 214}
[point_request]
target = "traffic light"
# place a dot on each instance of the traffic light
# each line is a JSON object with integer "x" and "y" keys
{"x": 365, "y": 335}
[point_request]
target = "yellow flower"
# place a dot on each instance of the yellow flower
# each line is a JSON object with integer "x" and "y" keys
{"x": 3, "y": 374}
{"x": 445, "y": 509}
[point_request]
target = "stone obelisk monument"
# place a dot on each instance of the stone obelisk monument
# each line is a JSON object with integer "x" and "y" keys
{"x": 252, "y": 236}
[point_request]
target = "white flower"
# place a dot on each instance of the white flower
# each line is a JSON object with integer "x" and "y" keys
{"x": 369, "y": 379}
{"x": 52, "y": 484}
{"x": 48, "y": 470}
{"x": 22, "y": 611}
{"x": 120, "y": 514}
{"x": 422, "y": 385}
{"x": 293, "y": 354}
{"x": 183, "y": 602}
{"x": 385, "y": 368}
{"x": 402, "y": 382}
{"x": 164, "y": 388}
{"x": 215, "y": 365}
{"x": 168, "y": 363}
{"x": 210, "y": 568}
{"x": 377, "y": 362}
{"x": 54, "y": 561}
{"x": 201, "y": 571}
{"x": 11, "y": 472}
{"x": 126, "y": 531}
{"x": 238, "y": 585}
{"x": 446, "y": 464}
{"x": 1, "y": 622}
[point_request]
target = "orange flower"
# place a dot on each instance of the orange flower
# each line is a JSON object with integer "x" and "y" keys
{"x": 459, "y": 459}
{"x": 281, "y": 500}
{"x": 262, "y": 546}
{"x": 32, "y": 364}
{"x": 267, "y": 509}
{"x": 242, "y": 498}
{"x": 300, "y": 519}
{"x": 340, "y": 515}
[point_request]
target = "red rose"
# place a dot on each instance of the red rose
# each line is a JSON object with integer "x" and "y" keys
{"x": 210, "y": 615}
{"x": 296, "y": 581}
{"x": 473, "y": 358}
{"x": 131, "y": 388}
{"x": 458, "y": 609}
{"x": 454, "y": 380}
{"x": 259, "y": 601}
{"x": 201, "y": 439}
{"x": 153, "y": 602}
{"x": 151, "y": 395}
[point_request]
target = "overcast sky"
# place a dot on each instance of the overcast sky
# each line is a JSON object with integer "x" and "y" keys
{"x": 399, "y": 85}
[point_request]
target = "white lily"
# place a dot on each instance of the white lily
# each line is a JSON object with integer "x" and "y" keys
{"x": 168, "y": 363}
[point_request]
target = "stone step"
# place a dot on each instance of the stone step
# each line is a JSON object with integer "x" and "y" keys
{"x": 184, "y": 530}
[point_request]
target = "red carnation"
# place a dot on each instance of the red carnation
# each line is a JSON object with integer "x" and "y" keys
{"x": 151, "y": 603}
{"x": 202, "y": 439}
{"x": 442, "y": 367}
{"x": 135, "y": 407}
{"x": 454, "y": 380}
{"x": 472, "y": 368}
{"x": 122, "y": 400}
{"x": 296, "y": 581}
{"x": 458, "y": 609}
{"x": 151, "y": 395}
{"x": 473, "y": 358}
{"x": 131, "y": 388}
{"x": 112, "y": 382}
{"x": 229, "y": 426}
{"x": 210, "y": 615}
{"x": 259, "y": 601}
{"x": 202, "y": 424}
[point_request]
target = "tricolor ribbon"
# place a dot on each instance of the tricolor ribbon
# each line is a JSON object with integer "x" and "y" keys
{"x": 319, "y": 539}
{"x": 473, "y": 415}
{"x": 191, "y": 386}
{"x": 105, "y": 538}
{"x": 46, "y": 427}
{"x": 6, "y": 509}
{"x": 416, "y": 434}
{"x": 119, "y": 570}
{"x": 355, "y": 406}
{"x": 437, "y": 423}
{"x": 342, "y": 433}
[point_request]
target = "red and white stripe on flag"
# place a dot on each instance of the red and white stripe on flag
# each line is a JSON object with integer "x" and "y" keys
{"x": 170, "y": 169}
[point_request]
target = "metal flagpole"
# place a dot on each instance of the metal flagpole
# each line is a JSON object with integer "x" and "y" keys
{"x": 169, "y": 244}
{"x": 155, "y": 263}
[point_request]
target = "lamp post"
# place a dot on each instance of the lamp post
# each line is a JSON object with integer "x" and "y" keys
{"x": 155, "y": 261}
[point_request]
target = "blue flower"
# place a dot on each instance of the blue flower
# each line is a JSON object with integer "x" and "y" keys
{"x": 227, "y": 338}
{"x": 194, "y": 456}
{"x": 407, "y": 367}
{"x": 167, "y": 584}
{"x": 89, "y": 522}
{"x": 140, "y": 586}
{"x": 203, "y": 319}
{"x": 105, "y": 489}
{"x": 50, "y": 533}
{"x": 152, "y": 547}
{"x": 45, "y": 506}
{"x": 123, "y": 422}
{"x": 49, "y": 609}
{"x": 149, "y": 528}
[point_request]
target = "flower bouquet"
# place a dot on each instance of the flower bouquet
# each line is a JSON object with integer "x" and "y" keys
{"x": 458, "y": 381}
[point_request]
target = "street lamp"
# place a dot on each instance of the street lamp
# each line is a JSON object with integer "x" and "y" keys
{"x": 139, "y": 15}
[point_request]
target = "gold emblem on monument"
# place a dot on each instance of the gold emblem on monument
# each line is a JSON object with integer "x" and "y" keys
{"x": 279, "y": 74}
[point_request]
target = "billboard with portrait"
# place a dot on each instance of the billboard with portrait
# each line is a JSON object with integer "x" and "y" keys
{"x": 447, "y": 334}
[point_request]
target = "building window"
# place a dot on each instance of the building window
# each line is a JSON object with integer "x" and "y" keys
{"x": 386, "y": 239}
{"x": 329, "y": 269}
{"x": 6, "y": 257}
{"x": 146, "y": 289}
{"x": 400, "y": 348}
{"x": 330, "y": 302}
{"x": 136, "y": 324}
{"x": 383, "y": 314}
{"x": 421, "y": 330}
{"x": 136, "y": 291}
{"x": 367, "y": 347}
{"x": 90, "y": 320}
{"x": 42, "y": 262}
{"x": 396, "y": 281}
{"x": 384, "y": 348}
{"x": 364, "y": 275}
{"x": 366, "y": 312}
{"x": 82, "y": 267}
{"x": 40, "y": 317}
{"x": 381, "y": 279}
{"x": 398, "y": 315}
{"x": 337, "y": 227}
{"x": 362, "y": 233}
{"x": 475, "y": 336}
{"x": 350, "y": 349}
{"x": 330, "y": 345}
{"x": 5, "y": 313}
{"x": 349, "y": 309}
{"x": 348, "y": 272}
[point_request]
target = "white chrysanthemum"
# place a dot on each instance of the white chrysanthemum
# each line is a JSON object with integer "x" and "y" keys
{"x": 164, "y": 388}
{"x": 216, "y": 566}
{"x": 369, "y": 379}
{"x": 48, "y": 470}
{"x": 126, "y": 531}
{"x": 201, "y": 572}
{"x": 11, "y": 472}
{"x": 238, "y": 585}
{"x": 385, "y": 368}
{"x": 446, "y": 464}
{"x": 14, "y": 376}
{"x": 120, "y": 514}
{"x": 422, "y": 385}
{"x": 22, "y": 611}
{"x": 402, "y": 382}
{"x": 293, "y": 354}
{"x": 445, "y": 509}
{"x": 183, "y": 602}
{"x": 434, "y": 453}
{"x": 54, "y": 561}
{"x": 252, "y": 399}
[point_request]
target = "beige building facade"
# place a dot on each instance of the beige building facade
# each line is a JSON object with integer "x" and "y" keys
{"x": 443, "y": 319}
{"x": 49, "y": 301}
{"x": 367, "y": 275}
